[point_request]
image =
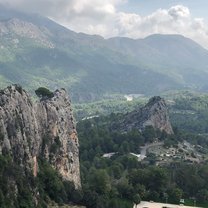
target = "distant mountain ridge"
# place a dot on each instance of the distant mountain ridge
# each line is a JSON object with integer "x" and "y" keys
{"x": 35, "y": 51}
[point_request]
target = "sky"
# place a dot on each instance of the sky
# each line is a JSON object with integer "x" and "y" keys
{"x": 126, "y": 18}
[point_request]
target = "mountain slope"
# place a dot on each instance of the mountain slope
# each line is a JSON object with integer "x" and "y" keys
{"x": 36, "y": 51}
{"x": 175, "y": 55}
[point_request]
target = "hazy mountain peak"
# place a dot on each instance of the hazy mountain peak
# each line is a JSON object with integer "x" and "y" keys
{"x": 91, "y": 66}
{"x": 26, "y": 29}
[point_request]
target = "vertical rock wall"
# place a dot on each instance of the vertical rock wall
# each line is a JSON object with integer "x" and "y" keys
{"x": 58, "y": 130}
{"x": 45, "y": 129}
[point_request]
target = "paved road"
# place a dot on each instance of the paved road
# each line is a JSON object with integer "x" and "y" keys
{"x": 146, "y": 147}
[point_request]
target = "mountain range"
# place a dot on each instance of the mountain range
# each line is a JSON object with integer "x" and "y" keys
{"x": 36, "y": 51}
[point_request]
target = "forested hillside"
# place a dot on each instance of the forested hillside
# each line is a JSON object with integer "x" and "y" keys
{"x": 113, "y": 176}
{"x": 36, "y": 51}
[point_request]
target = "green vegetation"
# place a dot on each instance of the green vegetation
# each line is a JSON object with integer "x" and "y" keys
{"x": 52, "y": 187}
{"x": 12, "y": 178}
{"x": 120, "y": 177}
{"x": 190, "y": 112}
{"x": 89, "y": 74}
{"x": 18, "y": 190}
{"x": 118, "y": 104}
{"x": 43, "y": 92}
{"x": 108, "y": 181}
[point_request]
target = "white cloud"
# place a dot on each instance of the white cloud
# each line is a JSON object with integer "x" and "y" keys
{"x": 102, "y": 17}
{"x": 66, "y": 8}
{"x": 175, "y": 20}
{"x": 179, "y": 11}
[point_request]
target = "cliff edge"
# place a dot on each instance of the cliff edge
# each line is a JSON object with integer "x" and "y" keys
{"x": 44, "y": 129}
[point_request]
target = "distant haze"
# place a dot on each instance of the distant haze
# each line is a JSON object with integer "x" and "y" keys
{"x": 36, "y": 51}
{"x": 126, "y": 18}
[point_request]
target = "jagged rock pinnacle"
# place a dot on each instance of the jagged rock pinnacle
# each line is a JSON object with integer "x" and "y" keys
{"x": 154, "y": 113}
{"x": 43, "y": 129}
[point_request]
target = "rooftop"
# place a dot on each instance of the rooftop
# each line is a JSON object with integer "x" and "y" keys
{"x": 145, "y": 204}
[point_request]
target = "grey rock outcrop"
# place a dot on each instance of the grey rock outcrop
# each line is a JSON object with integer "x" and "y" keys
{"x": 43, "y": 129}
{"x": 154, "y": 113}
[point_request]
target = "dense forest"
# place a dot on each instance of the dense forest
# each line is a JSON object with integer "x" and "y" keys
{"x": 46, "y": 186}
{"x": 120, "y": 180}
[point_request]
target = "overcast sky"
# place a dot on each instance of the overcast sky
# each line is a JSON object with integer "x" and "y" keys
{"x": 129, "y": 18}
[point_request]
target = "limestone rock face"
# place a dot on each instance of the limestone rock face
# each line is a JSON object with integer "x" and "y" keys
{"x": 154, "y": 113}
{"x": 43, "y": 129}
{"x": 58, "y": 130}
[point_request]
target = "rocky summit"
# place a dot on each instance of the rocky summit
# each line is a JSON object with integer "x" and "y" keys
{"x": 154, "y": 113}
{"x": 44, "y": 129}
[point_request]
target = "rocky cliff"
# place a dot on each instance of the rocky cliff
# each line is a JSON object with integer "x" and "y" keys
{"x": 154, "y": 113}
{"x": 44, "y": 129}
